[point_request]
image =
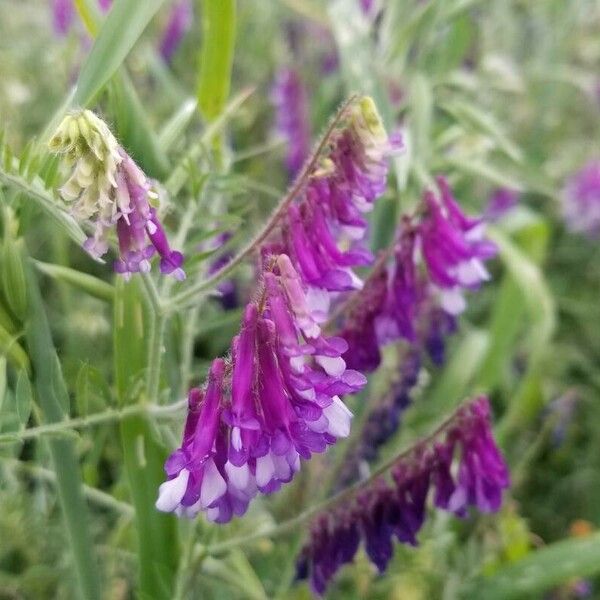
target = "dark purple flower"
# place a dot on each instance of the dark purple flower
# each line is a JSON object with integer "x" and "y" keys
{"x": 581, "y": 201}
{"x": 292, "y": 117}
{"x": 180, "y": 21}
{"x": 228, "y": 293}
{"x": 385, "y": 510}
{"x": 454, "y": 248}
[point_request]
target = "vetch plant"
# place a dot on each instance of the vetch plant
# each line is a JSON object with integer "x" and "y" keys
{"x": 235, "y": 365}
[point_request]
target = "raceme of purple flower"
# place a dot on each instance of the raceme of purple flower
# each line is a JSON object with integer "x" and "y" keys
{"x": 454, "y": 248}
{"x": 385, "y": 510}
{"x": 581, "y": 200}
{"x": 179, "y": 23}
{"x": 322, "y": 233}
{"x": 416, "y": 292}
{"x": 275, "y": 401}
{"x": 292, "y": 120}
{"x": 109, "y": 190}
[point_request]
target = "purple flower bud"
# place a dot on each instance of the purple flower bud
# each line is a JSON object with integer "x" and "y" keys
{"x": 180, "y": 21}
{"x": 581, "y": 201}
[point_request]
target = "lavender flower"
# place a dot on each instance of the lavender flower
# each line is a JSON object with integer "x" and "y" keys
{"x": 454, "y": 249}
{"x": 180, "y": 21}
{"x": 109, "y": 190}
{"x": 396, "y": 509}
{"x": 581, "y": 201}
{"x": 278, "y": 402}
{"x": 292, "y": 118}
{"x": 63, "y": 13}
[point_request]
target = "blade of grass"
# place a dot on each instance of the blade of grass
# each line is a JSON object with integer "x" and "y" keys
{"x": 53, "y": 397}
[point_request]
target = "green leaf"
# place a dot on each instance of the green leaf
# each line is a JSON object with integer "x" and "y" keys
{"x": 24, "y": 398}
{"x": 87, "y": 283}
{"x": 539, "y": 571}
{"x": 216, "y": 58}
{"x": 12, "y": 350}
{"x": 173, "y": 129}
{"x": 121, "y": 30}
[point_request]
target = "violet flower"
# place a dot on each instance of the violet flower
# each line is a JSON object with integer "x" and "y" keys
{"x": 63, "y": 13}
{"x": 292, "y": 117}
{"x": 109, "y": 190}
{"x": 454, "y": 248}
{"x": 581, "y": 201}
{"x": 179, "y": 23}
{"x": 329, "y": 216}
{"x": 396, "y": 509}
{"x": 279, "y": 402}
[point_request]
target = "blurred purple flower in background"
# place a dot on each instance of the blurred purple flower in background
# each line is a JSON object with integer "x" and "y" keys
{"x": 581, "y": 200}
{"x": 292, "y": 119}
{"x": 501, "y": 201}
{"x": 63, "y": 13}
{"x": 178, "y": 24}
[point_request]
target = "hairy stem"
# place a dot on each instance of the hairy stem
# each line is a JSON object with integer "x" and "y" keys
{"x": 68, "y": 425}
{"x": 190, "y": 294}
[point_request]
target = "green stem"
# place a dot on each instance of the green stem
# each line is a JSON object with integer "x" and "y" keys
{"x": 155, "y": 358}
{"x": 98, "y": 497}
{"x": 66, "y": 425}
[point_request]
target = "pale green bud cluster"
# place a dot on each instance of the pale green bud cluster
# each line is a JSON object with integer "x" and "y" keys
{"x": 95, "y": 155}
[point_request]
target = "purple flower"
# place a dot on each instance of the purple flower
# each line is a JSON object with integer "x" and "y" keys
{"x": 581, "y": 201}
{"x": 292, "y": 117}
{"x": 501, "y": 202}
{"x": 322, "y": 233}
{"x": 396, "y": 509}
{"x": 454, "y": 249}
{"x": 180, "y": 21}
{"x": 228, "y": 295}
{"x": 63, "y": 13}
{"x": 109, "y": 190}
{"x": 105, "y": 5}
{"x": 279, "y": 402}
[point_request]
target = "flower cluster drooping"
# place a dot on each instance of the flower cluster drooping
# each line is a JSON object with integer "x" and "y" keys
{"x": 109, "y": 190}
{"x": 277, "y": 399}
{"x": 292, "y": 117}
{"x": 581, "y": 201}
{"x": 386, "y": 510}
{"x": 418, "y": 292}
